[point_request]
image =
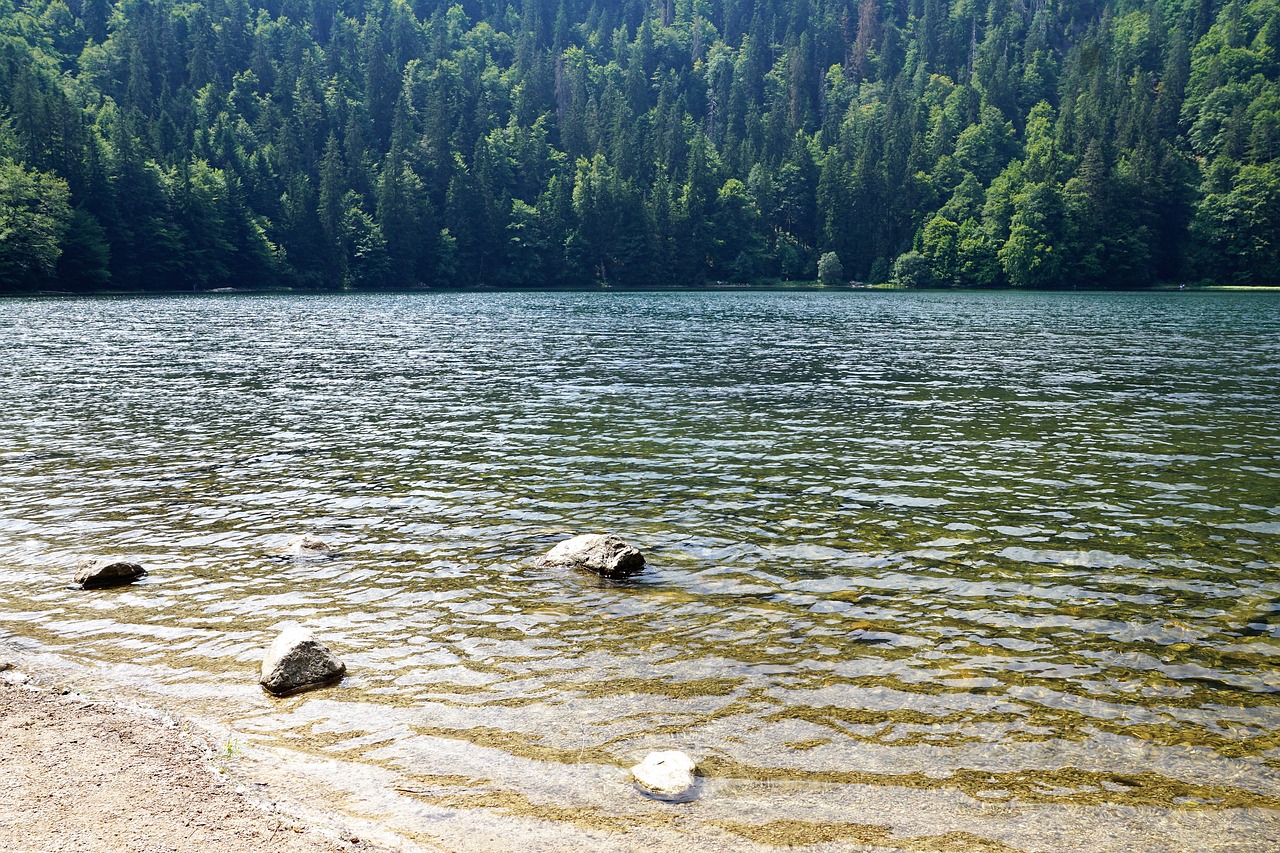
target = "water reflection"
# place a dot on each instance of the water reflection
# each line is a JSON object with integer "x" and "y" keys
{"x": 924, "y": 569}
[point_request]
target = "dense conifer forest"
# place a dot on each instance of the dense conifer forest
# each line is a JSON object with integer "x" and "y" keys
{"x": 180, "y": 145}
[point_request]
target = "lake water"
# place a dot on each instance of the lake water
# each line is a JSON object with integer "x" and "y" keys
{"x": 926, "y": 571}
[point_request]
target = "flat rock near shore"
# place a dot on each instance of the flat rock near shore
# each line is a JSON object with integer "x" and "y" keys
{"x": 84, "y": 775}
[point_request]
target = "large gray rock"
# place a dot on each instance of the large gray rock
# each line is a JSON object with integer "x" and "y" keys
{"x": 297, "y": 661}
{"x": 107, "y": 571}
{"x": 667, "y": 775}
{"x": 604, "y": 554}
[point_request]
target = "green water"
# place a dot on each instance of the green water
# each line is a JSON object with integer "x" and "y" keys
{"x": 926, "y": 571}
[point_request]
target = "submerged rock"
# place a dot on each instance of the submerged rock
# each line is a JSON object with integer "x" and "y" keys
{"x": 604, "y": 554}
{"x": 667, "y": 775}
{"x": 107, "y": 571}
{"x": 307, "y": 546}
{"x": 297, "y": 661}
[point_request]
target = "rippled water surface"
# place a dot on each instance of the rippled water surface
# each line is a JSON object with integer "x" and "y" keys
{"x": 926, "y": 571}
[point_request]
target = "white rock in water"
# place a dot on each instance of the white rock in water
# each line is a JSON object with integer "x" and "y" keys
{"x": 297, "y": 661}
{"x": 107, "y": 571}
{"x": 305, "y": 546}
{"x": 667, "y": 774}
{"x": 603, "y": 554}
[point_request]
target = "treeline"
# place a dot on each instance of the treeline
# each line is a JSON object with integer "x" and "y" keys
{"x": 166, "y": 145}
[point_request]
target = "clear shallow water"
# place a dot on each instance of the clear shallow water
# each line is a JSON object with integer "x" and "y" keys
{"x": 927, "y": 571}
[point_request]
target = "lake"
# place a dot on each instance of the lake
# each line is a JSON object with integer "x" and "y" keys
{"x": 952, "y": 571}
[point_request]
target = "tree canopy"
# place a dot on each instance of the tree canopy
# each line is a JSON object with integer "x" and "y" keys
{"x": 196, "y": 144}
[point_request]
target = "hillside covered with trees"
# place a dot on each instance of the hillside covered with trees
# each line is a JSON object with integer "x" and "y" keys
{"x": 179, "y": 145}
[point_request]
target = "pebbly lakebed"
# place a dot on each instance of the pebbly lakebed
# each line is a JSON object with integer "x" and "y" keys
{"x": 926, "y": 571}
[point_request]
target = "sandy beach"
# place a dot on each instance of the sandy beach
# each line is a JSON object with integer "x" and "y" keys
{"x": 92, "y": 774}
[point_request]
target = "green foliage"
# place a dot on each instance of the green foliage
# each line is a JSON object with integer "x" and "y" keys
{"x": 152, "y": 144}
{"x": 34, "y": 217}
{"x": 830, "y": 270}
{"x": 1032, "y": 256}
{"x": 85, "y": 262}
{"x": 1236, "y": 228}
{"x": 940, "y": 248}
{"x": 913, "y": 269}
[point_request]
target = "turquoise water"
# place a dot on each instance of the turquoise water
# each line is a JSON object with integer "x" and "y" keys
{"x": 929, "y": 571}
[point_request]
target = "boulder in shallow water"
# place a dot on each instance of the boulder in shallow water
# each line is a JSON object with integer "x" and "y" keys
{"x": 107, "y": 571}
{"x": 667, "y": 775}
{"x": 307, "y": 546}
{"x": 297, "y": 661}
{"x": 604, "y": 554}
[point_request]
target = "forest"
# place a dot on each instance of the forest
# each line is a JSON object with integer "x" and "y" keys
{"x": 189, "y": 145}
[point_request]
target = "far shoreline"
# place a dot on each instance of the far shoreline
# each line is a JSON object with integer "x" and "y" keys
{"x": 715, "y": 287}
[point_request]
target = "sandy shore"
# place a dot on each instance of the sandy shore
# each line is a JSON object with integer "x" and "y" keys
{"x": 82, "y": 774}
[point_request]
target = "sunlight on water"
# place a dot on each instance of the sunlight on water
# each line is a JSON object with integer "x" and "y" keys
{"x": 926, "y": 571}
